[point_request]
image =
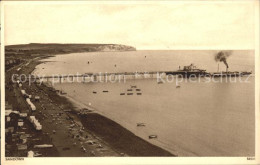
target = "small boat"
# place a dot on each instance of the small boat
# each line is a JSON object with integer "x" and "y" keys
{"x": 178, "y": 86}
{"x": 139, "y": 93}
{"x": 245, "y": 73}
{"x": 140, "y": 124}
{"x": 152, "y": 136}
{"x": 138, "y": 89}
{"x": 62, "y": 93}
{"x": 160, "y": 82}
{"x": 90, "y": 142}
{"x": 122, "y": 93}
{"x": 129, "y": 93}
{"x": 129, "y": 89}
{"x": 94, "y": 92}
{"x": 133, "y": 86}
{"x": 105, "y": 91}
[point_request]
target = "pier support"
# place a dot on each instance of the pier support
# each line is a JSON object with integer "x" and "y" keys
{"x": 95, "y": 78}
{"x": 113, "y": 77}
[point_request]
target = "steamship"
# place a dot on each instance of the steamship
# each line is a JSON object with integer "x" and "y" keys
{"x": 192, "y": 71}
{"x": 228, "y": 73}
{"x": 189, "y": 71}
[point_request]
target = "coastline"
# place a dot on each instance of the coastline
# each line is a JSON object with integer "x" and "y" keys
{"x": 120, "y": 141}
{"x": 169, "y": 137}
{"x": 118, "y": 137}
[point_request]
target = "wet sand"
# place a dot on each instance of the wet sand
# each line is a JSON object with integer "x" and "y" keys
{"x": 120, "y": 138}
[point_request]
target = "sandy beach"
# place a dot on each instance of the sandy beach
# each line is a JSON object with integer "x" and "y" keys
{"x": 72, "y": 134}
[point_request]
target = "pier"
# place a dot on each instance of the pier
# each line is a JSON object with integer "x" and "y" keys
{"x": 94, "y": 76}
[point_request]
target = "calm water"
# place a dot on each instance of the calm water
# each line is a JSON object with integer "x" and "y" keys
{"x": 197, "y": 119}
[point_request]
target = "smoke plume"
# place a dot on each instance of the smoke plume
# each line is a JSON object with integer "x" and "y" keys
{"x": 222, "y": 57}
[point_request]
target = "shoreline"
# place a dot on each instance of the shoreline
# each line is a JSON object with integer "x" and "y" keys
{"x": 123, "y": 140}
{"x": 118, "y": 139}
{"x": 128, "y": 144}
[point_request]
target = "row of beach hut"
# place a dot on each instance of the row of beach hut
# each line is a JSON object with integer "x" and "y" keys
{"x": 37, "y": 125}
{"x": 33, "y": 108}
{"x": 27, "y": 96}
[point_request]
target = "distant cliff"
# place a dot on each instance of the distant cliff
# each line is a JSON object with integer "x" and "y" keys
{"x": 66, "y": 48}
{"x": 114, "y": 47}
{"x": 28, "y": 51}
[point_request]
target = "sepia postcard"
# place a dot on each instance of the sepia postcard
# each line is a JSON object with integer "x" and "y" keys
{"x": 130, "y": 82}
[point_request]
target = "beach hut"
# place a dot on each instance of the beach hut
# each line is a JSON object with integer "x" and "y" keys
{"x": 28, "y": 101}
{"x": 23, "y": 92}
{"x": 30, "y": 154}
{"x": 20, "y": 123}
{"x": 22, "y": 147}
{"x": 8, "y": 112}
{"x": 8, "y": 119}
{"x": 33, "y": 108}
{"x": 35, "y": 123}
{"x": 23, "y": 115}
{"x": 37, "y": 98}
{"x": 32, "y": 118}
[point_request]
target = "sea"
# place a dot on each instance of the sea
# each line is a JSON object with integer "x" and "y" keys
{"x": 190, "y": 118}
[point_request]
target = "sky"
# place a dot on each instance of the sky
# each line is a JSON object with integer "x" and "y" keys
{"x": 162, "y": 25}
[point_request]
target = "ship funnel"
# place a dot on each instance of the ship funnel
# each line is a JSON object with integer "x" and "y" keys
{"x": 222, "y": 57}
